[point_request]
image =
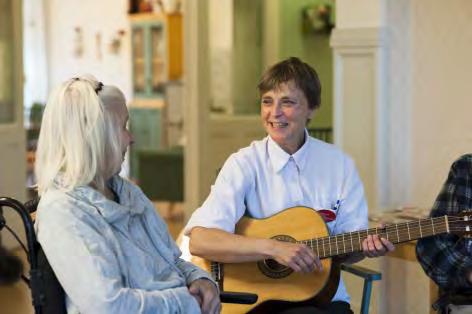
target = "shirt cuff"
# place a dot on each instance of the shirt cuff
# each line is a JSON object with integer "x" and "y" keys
{"x": 199, "y": 274}
{"x": 186, "y": 301}
{"x": 210, "y": 280}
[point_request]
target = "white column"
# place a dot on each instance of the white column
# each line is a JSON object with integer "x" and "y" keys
{"x": 196, "y": 99}
{"x": 360, "y": 106}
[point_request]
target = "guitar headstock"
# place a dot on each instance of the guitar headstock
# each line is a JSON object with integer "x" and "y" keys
{"x": 461, "y": 223}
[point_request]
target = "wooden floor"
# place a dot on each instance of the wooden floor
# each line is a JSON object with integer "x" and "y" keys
{"x": 16, "y": 299}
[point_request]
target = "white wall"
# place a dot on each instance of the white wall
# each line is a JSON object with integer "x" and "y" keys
{"x": 34, "y": 55}
{"x": 398, "y": 95}
{"x": 359, "y": 13}
{"x": 427, "y": 73}
{"x": 220, "y": 15}
{"x": 441, "y": 103}
{"x": 426, "y": 70}
{"x": 106, "y": 17}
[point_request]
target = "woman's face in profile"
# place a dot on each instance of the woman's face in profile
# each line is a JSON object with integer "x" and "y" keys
{"x": 118, "y": 109}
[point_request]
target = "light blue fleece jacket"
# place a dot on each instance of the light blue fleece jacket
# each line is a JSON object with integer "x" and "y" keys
{"x": 114, "y": 258}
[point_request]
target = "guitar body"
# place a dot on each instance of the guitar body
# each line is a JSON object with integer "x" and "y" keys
{"x": 273, "y": 282}
{"x": 278, "y": 286}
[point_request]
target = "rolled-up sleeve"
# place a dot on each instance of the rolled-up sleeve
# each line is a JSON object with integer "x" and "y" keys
{"x": 225, "y": 205}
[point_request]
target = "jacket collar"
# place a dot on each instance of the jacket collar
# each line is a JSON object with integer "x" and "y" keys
{"x": 128, "y": 204}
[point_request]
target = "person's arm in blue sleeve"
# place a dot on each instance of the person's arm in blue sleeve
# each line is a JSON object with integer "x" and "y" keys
{"x": 200, "y": 284}
{"x": 97, "y": 284}
{"x": 190, "y": 271}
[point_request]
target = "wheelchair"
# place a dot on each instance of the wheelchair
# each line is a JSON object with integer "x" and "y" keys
{"x": 48, "y": 295}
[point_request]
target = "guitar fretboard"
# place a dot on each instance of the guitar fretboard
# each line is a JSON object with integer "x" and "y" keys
{"x": 396, "y": 233}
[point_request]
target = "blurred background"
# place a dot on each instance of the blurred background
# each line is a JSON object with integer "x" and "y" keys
{"x": 396, "y": 97}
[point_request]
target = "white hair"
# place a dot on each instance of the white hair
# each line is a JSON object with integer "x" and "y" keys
{"x": 79, "y": 142}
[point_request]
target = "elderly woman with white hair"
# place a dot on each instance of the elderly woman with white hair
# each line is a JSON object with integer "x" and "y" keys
{"x": 109, "y": 249}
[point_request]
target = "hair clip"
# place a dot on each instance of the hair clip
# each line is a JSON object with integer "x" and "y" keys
{"x": 99, "y": 87}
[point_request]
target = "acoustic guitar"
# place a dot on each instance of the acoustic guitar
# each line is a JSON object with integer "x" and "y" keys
{"x": 276, "y": 284}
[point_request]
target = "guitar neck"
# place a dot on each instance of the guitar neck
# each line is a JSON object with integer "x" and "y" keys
{"x": 396, "y": 233}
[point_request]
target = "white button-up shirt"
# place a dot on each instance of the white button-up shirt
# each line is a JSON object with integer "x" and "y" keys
{"x": 261, "y": 180}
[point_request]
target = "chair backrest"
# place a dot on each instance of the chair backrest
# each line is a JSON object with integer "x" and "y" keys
{"x": 47, "y": 294}
{"x": 324, "y": 134}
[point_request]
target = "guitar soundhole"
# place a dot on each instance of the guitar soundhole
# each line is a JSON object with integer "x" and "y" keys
{"x": 271, "y": 268}
{"x": 274, "y": 266}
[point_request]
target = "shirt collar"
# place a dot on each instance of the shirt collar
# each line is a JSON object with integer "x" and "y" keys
{"x": 279, "y": 158}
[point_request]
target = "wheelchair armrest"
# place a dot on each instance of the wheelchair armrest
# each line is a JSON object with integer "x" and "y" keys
{"x": 446, "y": 298}
{"x": 238, "y": 297}
{"x": 461, "y": 298}
{"x": 32, "y": 205}
{"x": 363, "y": 272}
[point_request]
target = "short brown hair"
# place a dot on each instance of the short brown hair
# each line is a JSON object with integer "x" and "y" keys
{"x": 293, "y": 69}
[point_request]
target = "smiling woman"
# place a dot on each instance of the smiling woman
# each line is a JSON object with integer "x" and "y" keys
{"x": 285, "y": 113}
{"x": 290, "y": 93}
{"x": 286, "y": 169}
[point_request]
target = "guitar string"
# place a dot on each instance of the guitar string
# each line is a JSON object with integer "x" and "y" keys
{"x": 385, "y": 232}
{"x": 400, "y": 236}
{"x": 357, "y": 247}
{"x": 416, "y": 229}
{"x": 426, "y": 226}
